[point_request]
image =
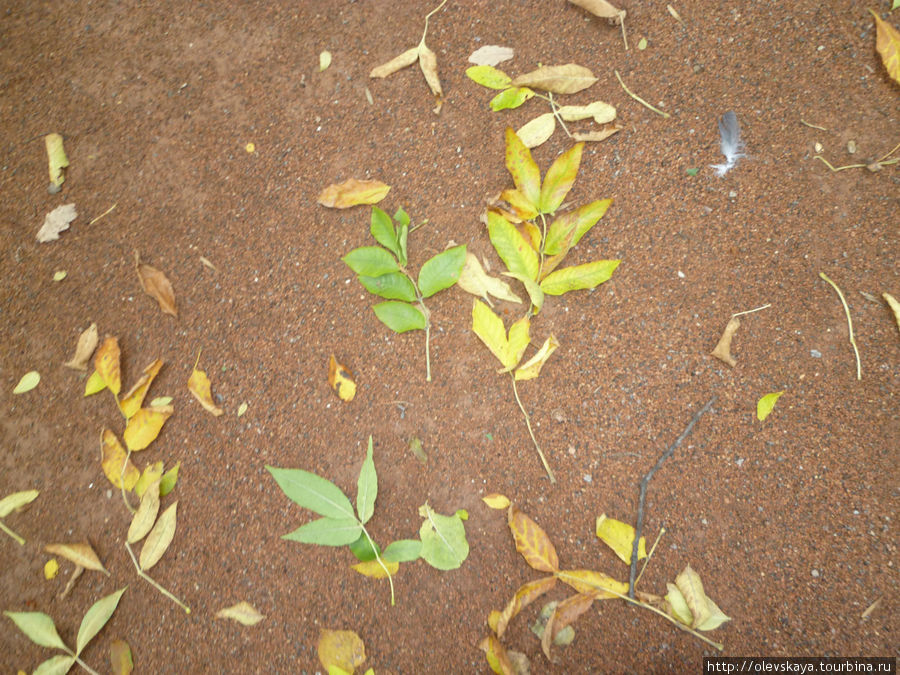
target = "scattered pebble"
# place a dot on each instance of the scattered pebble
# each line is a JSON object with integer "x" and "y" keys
{"x": 590, "y": 479}
{"x": 739, "y": 461}
{"x": 680, "y": 274}
{"x": 815, "y": 353}
{"x": 815, "y": 573}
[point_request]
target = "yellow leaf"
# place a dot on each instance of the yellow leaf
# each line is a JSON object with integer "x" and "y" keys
{"x": 677, "y": 607}
{"x": 373, "y": 569}
{"x": 523, "y": 208}
{"x": 120, "y": 657}
{"x": 407, "y": 58}
{"x": 152, "y": 473}
{"x": 106, "y": 363}
{"x": 243, "y": 612}
{"x": 560, "y": 178}
{"x": 522, "y": 168}
{"x": 324, "y": 60}
{"x": 51, "y": 569}
{"x": 497, "y": 657}
{"x": 887, "y": 42}
{"x": 538, "y": 130}
{"x": 601, "y": 112}
{"x": 619, "y": 537}
{"x": 59, "y": 275}
{"x": 705, "y": 613}
{"x": 532, "y": 367}
{"x": 200, "y": 386}
{"x": 532, "y": 542}
{"x": 159, "y": 538}
{"x": 17, "y": 501}
{"x": 84, "y": 349}
{"x": 579, "y": 277}
{"x": 567, "y": 79}
{"x": 766, "y": 404}
{"x": 131, "y": 402}
{"x": 489, "y": 328}
{"x": 115, "y": 464}
{"x": 157, "y": 285}
{"x": 242, "y": 408}
{"x": 145, "y": 425}
{"x": 341, "y": 379}
{"x": 341, "y": 648}
{"x": 56, "y": 156}
{"x": 589, "y": 581}
{"x": 514, "y": 249}
{"x": 94, "y": 384}
{"x": 28, "y": 382}
{"x": 473, "y": 279}
{"x": 894, "y": 305}
{"x": 353, "y": 192}
{"x": 519, "y": 340}
{"x": 525, "y": 595}
{"x": 496, "y": 501}
{"x": 145, "y": 516}
{"x": 80, "y": 554}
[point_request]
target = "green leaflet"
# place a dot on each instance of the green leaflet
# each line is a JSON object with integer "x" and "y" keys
{"x": 168, "y": 480}
{"x": 327, "y": 532}
{"x": 95, "y": 619}
{"x": 366, "y": 487}
{"x": 39, "y": 628}
{"x": 55, "y": 665}
{"x": 382, "y": 230}
{"x": 579, "y": 277}
{"x": 569, "y": 228}
{"x": 16, "y": 501}
{"x": 766, "y": 405}
{"x": 488, "y": 76}
{"x": 441, "y": 271}
{"x": 393, "y": 286}
{"x": 513, "y": 249}
{"x": 444, "y": 544}
{"x": 511, "y": 98}
{"x": 363, "y": 550}
{"x": 399, "y": 316}
{"x": 403, "y": 550}
{"x": 371, "y": 261}
{"x": 313, "y": 492}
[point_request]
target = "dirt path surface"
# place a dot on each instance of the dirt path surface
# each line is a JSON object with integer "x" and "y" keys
{"x": 790, "y": 522}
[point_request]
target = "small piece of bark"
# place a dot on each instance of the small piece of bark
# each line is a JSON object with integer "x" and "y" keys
{"x": 723, "y": 349}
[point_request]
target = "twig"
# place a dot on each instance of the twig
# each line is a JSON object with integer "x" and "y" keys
{"x": 662, "y": 531}
{"x": 103, "y": 214}
{"x": 643, "y": 494}
{"x": 849, "y": 323}
{"x": 12, "y": 534}
{"x": 146, "y": 577}
{"x": 750, "y": 311}
{"x": 72, "y": 579}
{"x": 428, "y": 16}
{"x": 639, "y": 99}
{"x": 555, "y": 109}
{"x": 533, "y": 439}
{"x": 812, "y": 126}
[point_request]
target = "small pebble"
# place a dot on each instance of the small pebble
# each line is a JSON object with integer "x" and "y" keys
{"x": 851, "y": 147}
{"x": 815, "y": 353}
{"x": 680, "y": 274}
{"x": 739, "y": 461}
{"x": 589, "y": 479}
{"x": 815, "y": 573}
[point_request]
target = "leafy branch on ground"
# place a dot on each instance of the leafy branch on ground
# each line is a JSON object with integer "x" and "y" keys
{"x": 442, "y": 539}
{"x": 15, "y": 502}
{"x": 382, "y": 270}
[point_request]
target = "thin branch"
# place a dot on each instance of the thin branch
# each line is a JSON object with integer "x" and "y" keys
{"x": 146, "y": 577}
{"x": 555, "y": 108}
{"x": 12, "y": 534}
{"x": 428, "y": 16}
{"x": 812, "y": 126}
{"x": 849, "y": 323}
{"x": 380, "y": 562}
{"x": 662, "y": 531}
{"x": 750, "y": 311}
{"x": 533, "y": 439}
{"x": 639, "y": 99}
{"x": 103, "y": 214}
{"x": 643, "y": 494}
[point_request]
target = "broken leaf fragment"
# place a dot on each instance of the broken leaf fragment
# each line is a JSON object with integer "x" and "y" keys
{"x": 766, "y": 404}
{"x": 341, "y": 649}
{"x": 619, "y": 537}
{"x": 532, "y": 367}
{"x": 27, "y": 382}
{"x": 723, "y": 348}
{"x": 115, "y": 463}
{"x": 415, "y": 447}
{"x": 341, "y": 380}
{"x": 496, "y": 501}
{"x": 145, "y": 425}
{"x": 51, "y": 569}
{"x": 324, "y": 60}
{"x": 84, "y": 349}
{"x": 491, "y": 55}
{"x": 200, "y": 386}
{"x": 57, "y": 161}
{"x": 243, "y": 612}
{"x": 80, "y": 554}
{"x": 353, "y": 192}
{"x": 56, "y": 221}
{"x": 157, "y": 285}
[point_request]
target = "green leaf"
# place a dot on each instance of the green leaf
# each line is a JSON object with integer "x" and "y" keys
{"x": 366, "y": 487}
{"x": 560, "y": 178}
{"x": 401, "y": 217}
{"x": 28, "y": 382}
{"x": 393, "y": 286}
{"x": 488, "y": 76}
{"x": 579, "y": 277}
{"x": 441, "y": 271}
{"x": 402, "y": 237}
{"x": 382, "y": 230}
{"x": 327, "y": 532}
{"x": 39, "y": 628}
{"x": 363, "y": 550}
{"x": 444, "y": 544}
{"x": 55, "y": 665}
{"x": 168, "y": 480}
{"x": 399, "y": 316}
{"x": 522, "y": 168}
{"x": 569, "y": 228}
{"x": 511, "y": 98}
{"x": 371, "y": 261}
{"x": 16, "y": 501}
{"x": 95, "y": 618}
{"x": 313, "y": 492}
{"x": 514, "y": 250}
{"x": 403, "y": 550}
{"x": 766, "y": 404}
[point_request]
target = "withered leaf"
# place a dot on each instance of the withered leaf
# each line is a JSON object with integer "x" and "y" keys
{"x": 532, "y": 542}
{"x": 200, "y": 386}
{"x": 159, "y": 538}
{"x": 525, "y": 595}
{"x": 601, "y": 112}
{"x": 120, "y": 657}
{"x": 601, "y": 8}
{"x": 723, "y": 348}
{"x": 342, "y": 649}
{"x": 473, "y": 279}
{"x": 428, "y": 64}
{"x": 491, "y": 55}
{"x": 565, "y": 613}
{"x": 156, "y": 285}
{"x": 87, "y": 343}
{"x": 144, "y": 426}
{"x": 538, "y": 130}
{"x": 106, "y": 363}
{"x": 894, "y": 305}
{"x": 143, "y": 519}
{"x": 407, "y": 58}
{"x": 243, "y": 612}
{"x": 341, "y": 379}
{"x": 567, "y": 79}
{"x": 55, "y": 222}
{"x": 497, "y": 656}
{"x": 353, "y": 192}
{"x": 116, "y": 465}
{"x": 131, "y": 402}
{"x": 596, "y": 136}
{"x": 80, "y": 554}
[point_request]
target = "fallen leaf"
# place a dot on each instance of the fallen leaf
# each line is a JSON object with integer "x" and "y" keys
{"x": 243, "y": 612}
{"x": 113, "y": 460}
{"x": 342, "y": 649}
{"x": 159, "y": 538}
{"x": 525, "y": 595}
{"x": 532, "y": 542}
{"x": 353, "y": 192}
{"x": 887, "y": 42}
{"x": 561, "y": 618}
{"x": 94, "y": 384}
{"x": 497, "y": 657}
{"x": 106, "y": 363}
{"x": 375, "y": 570}
{"x": 473, "y": 279}
{"x": 407, "y": 58}
{"x": 496, "y": 501}
{"x": 160, "y": 401}
{"x": 199, "y": 385}
{"x": 642, "y": 44}
{"x": 491, "y": 55}
{"x": 208, "y": 264}
{"x": 444, "y": 544}
{"x": 55, "y": 222}
{"x": 57, "y": 161}
{"x": 723, "y": 348}
{"x": 765, "y": 405}
{"x": 596, "y": 136}
{"x": 168, "y": 480}
{"x": 488, "y": 76}
{"x": 619, "y": 537}
{"x": 51, "y": 569}
{"x": 341, "y": 379}
{"x": 324, "y": 60}
{"x": 705, "y": 614}
{"x": 600, "y": 112}
{"x": 242, "y": 408}
{"x": 428, "y": 64}
{"x": 151, "y": 474}
{"x": 538, "y": 130}
{"x": 145, "y": 516}
{"x": 894, "y": 305}
{"x": 131, "y": 402}
{"x": 532, "y": 367}
{"x": 596, "y": 583}
{"x": 156, "y": 285}
{"x": 490, "y": 330}
{"x": 415, "y": 447}
{"x": 84, "y": 349}
{"x": 675, "y": 14}
{"x": 145, "y": 425}
{"x": 567, "y": 79}
{"x": 80, "y": 554}
{"x": 59, "y": 275}
{"x": 28, "y": 382}
{"x": 601, "y": 8}
{"x": 120, "y": 657}
{"x": 17, "y": 501}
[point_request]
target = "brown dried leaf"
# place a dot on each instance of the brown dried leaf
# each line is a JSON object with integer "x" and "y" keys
{"x": 353, "y": 192}
{"x": 723, "y": 348}
{"x": 200, "y": 386}
{"x": 595, "y": 136}
{"x": 55, "y": 222}
{"x": 567, "y": 79}
{"x": 525, "y": 595}
{"x": 601, "y": 112}
{"x": 159, "y": 538}
{"x": 87, "y": 343}
{"x": 156, "y": 285}
{"x": 407, "y": 58}
{"x": 563, "y": 615}
{"x": 80, "y": 554}
{"x": 532, "y": 542}
{"x": 601, "y": 8}
{"x": 497, "y": 656}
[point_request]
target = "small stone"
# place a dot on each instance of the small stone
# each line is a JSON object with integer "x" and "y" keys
{"x": 739, "y": 461}
{"x": 818, "y": 146}
{"x": 851, "y": 147}
{"x": 815, "y": 573}
{"x": 588, "y": 478}
{"x": 815, "y": 353}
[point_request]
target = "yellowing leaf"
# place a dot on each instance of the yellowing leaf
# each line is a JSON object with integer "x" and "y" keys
{"x": 887, "y": 42}
{"x": 242, "y": 408}
{"x": 87, "y": 343}
{"x": 532, "y": 542}
{"x": 619, "y": 537}
{"x": 341, "y": 648}
{"x": 145, "y": 516}
{"x": 200, "y": 387}
{"x": 511, "y": 98}
{"x": 579, "y": 277}
{"x": 704, "y": 611}
{"x": 497, "y": 657}
{"x": 563, "y": 615}
{"x": 602, "y": 113}
{"x": 151, "y": 474}
{"x": 532, "y": 367}
{"x": 428, "y": 64}
{"x": 28, "y": 382}
{"x": 766, "y": 404}
{"x": 120, "y": 657}
{"x": 523, "y": 208}
{"x": 567, "y": 79}
{"x": 522, "y": 168}
{"x": 17, "y": 501}
{"x": 894, "y": 305}
{"x": 489, "y": 328}
{"x": 157, "y": 285}
{"x": 341, "y": 380}
{"x": 59, "y": 275}
{"x": 560, "y": 178}
{"x": 116, "y": 466}
{"x": 106, "y": 363}
{"x": 538, "y": 130}
{"x": 145, "y": 425}
{"x": 407, "y": 58}
{"x": 496, "y": 501}
{"x": 353, "y": 192}
{"x": 80, "y": 554}
{"x": 57, "y": 160}
{"x": 94, "y": 384}
{"x": 243, "y": 612}
{"x": 677, "y": 605}
{"x": 473, "y": 279}
{"x": 131, "y": 402}
{"x": 513, "y": 248}
{"x": 51, "y": 569}
{"x": 488, "y": 76}
{"x": 168, "y": 480}
{"x": 589, "y": 581}
{"x": 324, "y": 60}
{"x": 159, "y": 538}
{"x": 374, "y": 569}
{"x": 525, "y": 595}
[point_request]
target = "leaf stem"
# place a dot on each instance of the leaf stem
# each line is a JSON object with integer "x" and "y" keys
{"x": 12, "y": 534}
{"x": 85, "y": 666}
{"x": 122, "y": 479}
{"x": 146, "y": 577}
{"x": 639, "y": 99}
{"x": 428, "y": 16}
{"x": 380, "y": 562}
{"x": 533, "y": 439}
{"x": 662, "y": 531}
{"x": 849, "y": 323}
{"x": 555, "y": 108}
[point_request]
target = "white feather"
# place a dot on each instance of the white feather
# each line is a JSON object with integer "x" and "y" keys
{"x": 731, "y": 143}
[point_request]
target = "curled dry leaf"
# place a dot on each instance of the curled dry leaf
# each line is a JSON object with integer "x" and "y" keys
{"x": 407, "y": 58}
{"x": 562, "y": 616}
{"x": 538, "y": 130}
{"x": 602, "y": 113}
{"x": 567, "y": 79}
{"x": 200, "y": 386}
{"x": 243, "y": 612}
{"x": 87, "y": 343}
{"x": 497, "y": 656}
{"x": 723, "y": 348}
{"x": 57, "y": 161}
{"x": 106, "y": 363}
{"x": 601, "y": 8}
{"x": 353, "y": 192}
{"x": 80, "y": 554}
{"x": 342, "y": 649}
{"x": 705, "y": 614}
{"x": 55, "y": 222}
{"x": 525, "y": 595}
{"x": 341, "y": 379}
{"x": 491, "y": 55}
{"x": 428, "y": 64}
{"x": 596, "y": 136}
{"x": 156, "y": 285}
